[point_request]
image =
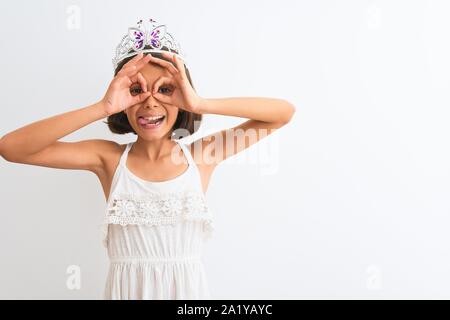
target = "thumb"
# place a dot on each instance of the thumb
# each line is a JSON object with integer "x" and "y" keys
{"x": 163, "y": 98}
{"x": 141, "y": 97}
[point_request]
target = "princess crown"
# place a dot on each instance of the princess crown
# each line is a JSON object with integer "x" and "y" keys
{"x": 147, "y": 33}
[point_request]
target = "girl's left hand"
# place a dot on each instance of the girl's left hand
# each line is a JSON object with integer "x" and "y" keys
{"x": 183, "y": 95}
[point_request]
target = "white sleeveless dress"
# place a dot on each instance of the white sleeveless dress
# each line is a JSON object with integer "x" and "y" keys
{"x": 154, "y": 232}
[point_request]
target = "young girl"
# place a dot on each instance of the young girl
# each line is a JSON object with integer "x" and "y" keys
{"x": 157, "y": 216}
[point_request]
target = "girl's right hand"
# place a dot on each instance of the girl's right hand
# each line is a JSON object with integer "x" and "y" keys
{"x": 118, "y": 96}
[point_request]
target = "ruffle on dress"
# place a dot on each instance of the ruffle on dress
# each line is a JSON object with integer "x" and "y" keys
{"x": 156, "y": 208}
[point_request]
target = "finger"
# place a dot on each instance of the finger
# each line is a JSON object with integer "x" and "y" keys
{"x": 179, "y": 63}
{"x": 161, "y": 81}
{"x": 124, "y": 81}
{"x": 166, "y": 64}
{"x": 163, "y": 98}
{"x": 142, "y": 81}
{"x": 132, "y": 70}
{"x": 135, "y": 59}
{"x": 142, "y": 62}
{"x": 140, "y": 78}
{"x": 140, "y": 97}
{"x": 126, "y": 71}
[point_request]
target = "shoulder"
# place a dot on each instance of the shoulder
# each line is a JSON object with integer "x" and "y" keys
{"x": 106, "y": 147}
{"x": 199, "y": 152}
{"x": 108, "y": 151}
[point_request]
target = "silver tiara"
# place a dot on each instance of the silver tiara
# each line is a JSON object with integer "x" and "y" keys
{"x": 147, "y": 33}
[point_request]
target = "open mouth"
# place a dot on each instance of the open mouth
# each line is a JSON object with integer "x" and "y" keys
{"x": 151, "y": 122}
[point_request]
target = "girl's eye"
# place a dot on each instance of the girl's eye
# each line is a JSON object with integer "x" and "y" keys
{"x": 133, "y": 90}
{"x": 168, "y": 91}
{"x": 138, "y": 90}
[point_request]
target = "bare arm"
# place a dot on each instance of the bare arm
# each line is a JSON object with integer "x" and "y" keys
{"x": 37, "y": 143}
{"x": 38, "y": 135}
{"x": 255, "y": 108}
{"x": 266, "y": 115}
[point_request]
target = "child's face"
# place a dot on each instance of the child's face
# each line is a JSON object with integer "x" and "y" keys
{"x": 152, "y": 106}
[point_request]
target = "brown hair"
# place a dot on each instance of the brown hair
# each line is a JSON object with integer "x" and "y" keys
{"x": 118, "y": 122}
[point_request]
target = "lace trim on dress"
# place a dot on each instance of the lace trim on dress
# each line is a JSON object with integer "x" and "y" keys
{"x": 157, "y": 209}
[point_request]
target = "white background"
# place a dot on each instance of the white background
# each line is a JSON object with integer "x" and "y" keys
{"x": 356, "y": 202}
